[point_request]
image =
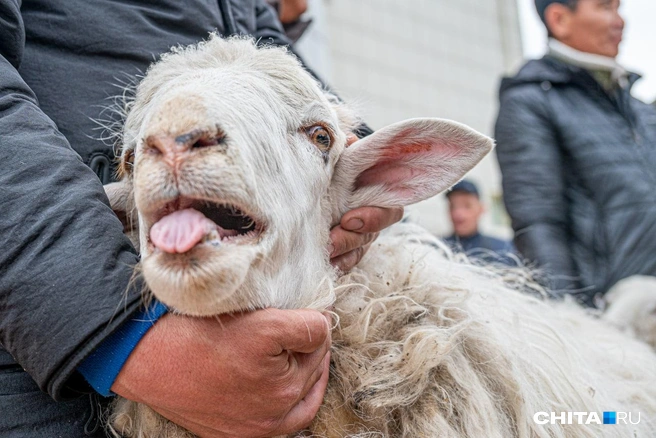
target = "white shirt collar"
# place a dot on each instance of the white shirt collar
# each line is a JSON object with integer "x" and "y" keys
{"x": 589, "y": 61}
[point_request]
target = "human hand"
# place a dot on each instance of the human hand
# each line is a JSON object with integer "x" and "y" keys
{"x": 255, "y": 374}
{"x": 291, "y": 10}
{"x": 357, "y": 229}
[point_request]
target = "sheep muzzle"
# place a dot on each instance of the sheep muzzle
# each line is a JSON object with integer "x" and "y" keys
{"x": 185, "y": 223}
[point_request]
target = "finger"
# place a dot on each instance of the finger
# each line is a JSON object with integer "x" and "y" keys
{"x": 301, "y": 330}
{"x": 304, "y": 412}
{"x": 308, "y": 363}
{"x": 371, "y": 219}
{"x": 350, "y": 139}
{"x": 343, "y": 241}
{"x": 310, "y": 367}
{"x": 348, "y": 261}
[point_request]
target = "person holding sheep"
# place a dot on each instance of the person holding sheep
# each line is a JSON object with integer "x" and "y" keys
{"x": 578, "y": 154}
{"x": 69, "y": 306}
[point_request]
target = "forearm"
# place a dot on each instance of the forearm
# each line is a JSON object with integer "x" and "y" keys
{"x": 66, "y": 267}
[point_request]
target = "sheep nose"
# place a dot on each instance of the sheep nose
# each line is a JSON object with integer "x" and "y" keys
{"x": 164, "y": 144}
{"x": 174, "y": 148}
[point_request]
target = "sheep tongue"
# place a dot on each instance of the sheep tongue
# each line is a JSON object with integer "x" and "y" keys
{"x": 180, "y": 231}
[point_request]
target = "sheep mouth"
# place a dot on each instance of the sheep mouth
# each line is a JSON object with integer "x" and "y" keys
{"x": 228, "y": 217}
{"x": 183, "y": 224}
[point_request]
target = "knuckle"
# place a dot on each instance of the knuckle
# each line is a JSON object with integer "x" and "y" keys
{"x": 338, "y": 237}
{"x": 347, "y": 241}
{"x": 355, "y": 241}
{"x": 302, "y": 321}
{"x": 314, "y": 327}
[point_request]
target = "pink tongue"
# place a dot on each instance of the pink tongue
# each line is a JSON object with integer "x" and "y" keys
{"x": 180, "y": 231}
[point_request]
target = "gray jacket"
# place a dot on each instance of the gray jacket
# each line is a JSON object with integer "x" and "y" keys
{"x": 65, "y": 266}
{"x": 579, "y": 176}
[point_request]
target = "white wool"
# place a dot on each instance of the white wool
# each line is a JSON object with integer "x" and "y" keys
{"x": 427, "y": 344}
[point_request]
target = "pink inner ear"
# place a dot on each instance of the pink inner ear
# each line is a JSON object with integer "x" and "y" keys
{"x": 406, "y": 142}
{"x": 409, "y": 161}
{"x": 405, "y": 158}
{"x": 388, "y": 172}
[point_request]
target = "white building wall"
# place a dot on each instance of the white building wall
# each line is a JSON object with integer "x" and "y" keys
{"x": 398, "y": 59}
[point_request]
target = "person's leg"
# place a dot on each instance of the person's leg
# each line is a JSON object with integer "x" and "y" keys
{"x": 26, "y": 412}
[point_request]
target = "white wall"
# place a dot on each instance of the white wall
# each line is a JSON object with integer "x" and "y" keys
{"x": 439, "y": 58}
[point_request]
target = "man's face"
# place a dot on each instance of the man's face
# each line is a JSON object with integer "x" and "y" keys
{"x": 594, "y": 26}
{"x": 465, "y": 210}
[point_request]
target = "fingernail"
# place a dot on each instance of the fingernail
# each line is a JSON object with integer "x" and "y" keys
{"x": 354, "y": 224}
{"x": 331, "y": 249}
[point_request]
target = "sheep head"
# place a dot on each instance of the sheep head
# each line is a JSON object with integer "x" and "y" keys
{"x": 238, "y": 164}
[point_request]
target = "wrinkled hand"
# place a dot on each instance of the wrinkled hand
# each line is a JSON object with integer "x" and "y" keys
{"x": 256, "y": 374}
{"x": 357, "y": 229}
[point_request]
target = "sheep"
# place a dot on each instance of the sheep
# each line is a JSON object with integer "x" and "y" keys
{"x": 631, "y": 306}
{"x": 233, "y": 156}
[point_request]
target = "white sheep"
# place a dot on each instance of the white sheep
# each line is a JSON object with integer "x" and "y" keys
{"x": 236, "y": 159}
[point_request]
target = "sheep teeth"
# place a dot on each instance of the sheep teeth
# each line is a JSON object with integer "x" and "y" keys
{"x": 213, "y": 238}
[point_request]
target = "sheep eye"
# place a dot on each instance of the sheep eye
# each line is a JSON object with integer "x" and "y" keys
{"x": 127, "y": 162}
{"x": 320, "y": 137}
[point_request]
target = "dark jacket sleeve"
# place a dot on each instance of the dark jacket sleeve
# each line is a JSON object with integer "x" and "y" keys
{"x": 534, "y": 183}
{"x": 65, "y": 266}
{"x": 269, "y": 30}
{"x": 268, "y": 26}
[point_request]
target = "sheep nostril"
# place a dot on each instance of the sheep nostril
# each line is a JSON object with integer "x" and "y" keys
{"x": 206, "y": 142}
{"x": 158, "y": 145}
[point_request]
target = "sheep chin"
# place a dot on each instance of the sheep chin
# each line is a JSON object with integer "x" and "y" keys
{"x": 203, "y": 281}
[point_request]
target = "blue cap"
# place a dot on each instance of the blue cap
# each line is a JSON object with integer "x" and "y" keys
{"x": 464, "y": 186}
{"x": 541, "y": 6}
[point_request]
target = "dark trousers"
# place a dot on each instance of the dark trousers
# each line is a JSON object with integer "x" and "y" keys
{"x": 26, "y": 412}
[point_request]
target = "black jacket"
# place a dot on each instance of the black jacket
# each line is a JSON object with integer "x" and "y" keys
{"x": 579, "y": 176}
{"x": 65, "y": 265}
{"x": 486, "y": 248}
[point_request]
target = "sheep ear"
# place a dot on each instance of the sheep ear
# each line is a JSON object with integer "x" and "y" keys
{"x": 409, "y": 161}
{"x": 126, "y": 163}
{"x": 119, "y": 194}
{"x": 121, "y": 200}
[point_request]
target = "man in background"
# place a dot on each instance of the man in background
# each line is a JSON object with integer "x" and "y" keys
{"x": 465, "y": 210}
{"x": 578, "y": 154}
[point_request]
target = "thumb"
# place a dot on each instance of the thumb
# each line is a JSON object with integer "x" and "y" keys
{"x": 302, "y": 330}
